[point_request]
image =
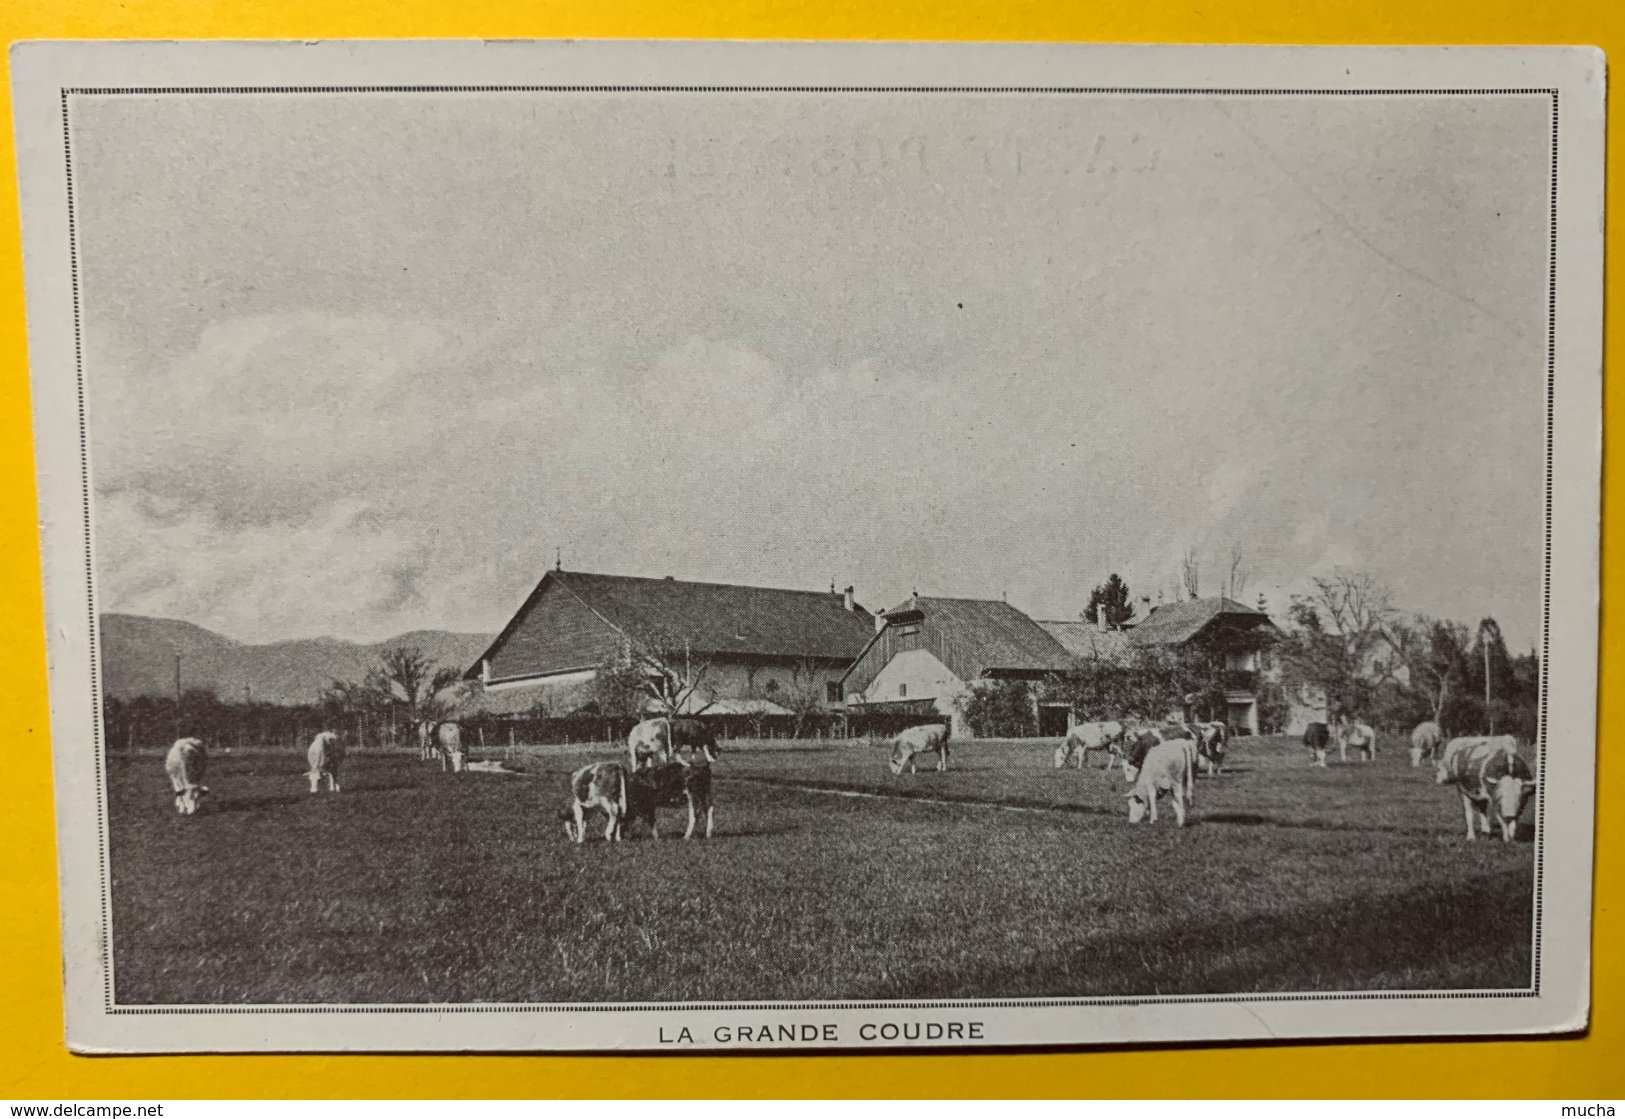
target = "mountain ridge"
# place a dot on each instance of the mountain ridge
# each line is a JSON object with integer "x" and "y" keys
{"x": 138, "y": 659}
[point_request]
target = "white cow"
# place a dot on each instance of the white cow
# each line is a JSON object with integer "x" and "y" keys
{"x": 1165, "y": 769}
{"x": 1359, "y": 735}
{"x": 1425, "y": 742}
{"x": 185, "y": 764}
{"x": 325, "y": 756}
{"x": 1487, "y": 772}
{"x": 1083, "y": 737}
{"x": 600, "y": 786}
{"x": 1137, "y": 746}
{"x": 931, "y": 738}
{"x": 448, "y": 746}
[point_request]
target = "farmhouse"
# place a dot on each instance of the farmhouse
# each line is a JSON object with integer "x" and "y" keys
{"x": 1233, "y": 634}
{"x": 748, "y": 649}
{"x": 927, "y": 653}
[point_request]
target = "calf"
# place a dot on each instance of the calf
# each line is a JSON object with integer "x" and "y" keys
{"x": 325, "y": 756}
{"x": 1489, "y": 774}
{"x": 1166, "y": 768}
{"x": 1359, "y": 735}
{"x": 932, "y": 738}
{"x": 661, "y": 740}
{"x": 1084, "y": 737}
{"x": 1425, "y": 742}
{"x": 671, "y": 785}
{"x": 185, "y": 764}
{"x": 1318, "y": 739}
{"x": 601, "y": 786}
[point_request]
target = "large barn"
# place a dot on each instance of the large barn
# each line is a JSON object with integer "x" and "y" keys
{"x": 757, "y": 645}
{"x": 929, "y": 651}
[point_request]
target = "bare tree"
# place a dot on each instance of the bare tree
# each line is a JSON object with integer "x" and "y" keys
{"x": 672, "y": 672}
{"x": 1236, "y": 585}
{"x": 1339, "y": 635}
{"x": 1190, "y": 574}
{"x": 804, "y": 696}
{"x": 1433, "y": 653}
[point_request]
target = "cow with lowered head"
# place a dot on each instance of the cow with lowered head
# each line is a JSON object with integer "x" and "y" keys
{"x": 911, "y": 744}
{"x": 185, "y": 765}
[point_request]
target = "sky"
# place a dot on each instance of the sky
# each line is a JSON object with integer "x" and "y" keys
{"x": 360, "y": 364}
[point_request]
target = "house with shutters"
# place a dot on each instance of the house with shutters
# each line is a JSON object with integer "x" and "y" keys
{"x": 927, "y": 654}
{"x": 1236, "y": 636}
{"x": 754, "y": 643}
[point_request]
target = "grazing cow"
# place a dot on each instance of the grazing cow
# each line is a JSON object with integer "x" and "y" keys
{"x": 185, "y": 764}
{"x": 448, "y": 744}
{"x": 1425, "y": 742}
{"x": 1359, "y": 735}
{"x": 906, "y": 748}
{"x": 670, "y": 785}
{"x": 1318, "y": 739}
{"x": 601, "y": 785}
{"x": 1489, "y": 774}
{"x": 1138, "y": 746}
{"x": 661, "y": 740}
{"x": 1084, "y": 737}
{"x": 1212, "y": 739}
{"x": 325, "y": 755}
{"x": 1166, "y": 768}
{"x": 426, "y": 750}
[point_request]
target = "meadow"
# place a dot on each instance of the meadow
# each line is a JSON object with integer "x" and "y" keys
{"x": 828, "y": 878}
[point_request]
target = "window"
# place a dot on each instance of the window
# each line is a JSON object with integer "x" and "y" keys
{"x": 832, "y": 691}
{"x": 902, "y": 691}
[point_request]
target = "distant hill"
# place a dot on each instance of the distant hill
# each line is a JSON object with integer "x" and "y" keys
{"x": 138, "y": 658}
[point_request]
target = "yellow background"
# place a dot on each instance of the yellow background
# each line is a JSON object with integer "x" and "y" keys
{"x": 33, "y": 1060}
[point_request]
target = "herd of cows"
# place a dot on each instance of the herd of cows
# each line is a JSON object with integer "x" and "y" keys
{"x": 669, "y": 766}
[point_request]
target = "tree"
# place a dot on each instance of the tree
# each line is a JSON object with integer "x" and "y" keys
{"x": 804, "y": 697}
{"x": 1236, "y": 585}
{"x": 617, "y": 688}
{"x": 1190, "y": 574}
{"x": 1112, "y": 596}
{"x": 1434, "y": 654}
{"x": 404, "y": 682}
{"x": 671, "y": 672}
{"x": 1337, "y": 635}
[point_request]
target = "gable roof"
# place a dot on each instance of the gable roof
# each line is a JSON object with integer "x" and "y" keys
{"x": 717, "y": 618}
{"x": 975, "y": 636}
{"x": 1175, "y": 623}
{"x": 1087, "y": 641}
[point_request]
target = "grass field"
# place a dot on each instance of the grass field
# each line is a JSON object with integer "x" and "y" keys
{"x": 1000, "y": 878}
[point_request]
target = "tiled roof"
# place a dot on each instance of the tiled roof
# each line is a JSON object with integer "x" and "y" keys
{"x": 715, "y": 618}
{"x": 1177, "y": 622}
{"x": 980, "y": 636}
{"x": 1087, "y": 641}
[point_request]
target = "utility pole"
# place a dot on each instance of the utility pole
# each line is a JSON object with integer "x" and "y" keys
{"x": 1489, "y": 712}
{"x": 177, "y": 695}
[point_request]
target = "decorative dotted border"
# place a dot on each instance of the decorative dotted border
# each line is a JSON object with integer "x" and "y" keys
{"x": 1533, "y": 991}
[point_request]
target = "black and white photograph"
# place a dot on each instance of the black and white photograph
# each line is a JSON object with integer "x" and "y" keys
{"x": 695, "y": 546}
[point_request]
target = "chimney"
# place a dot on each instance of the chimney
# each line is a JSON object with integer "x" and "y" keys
{"x": 914, "y": 600}
{"x": 1100, "y": 617}
{"x": 848, "y": 602}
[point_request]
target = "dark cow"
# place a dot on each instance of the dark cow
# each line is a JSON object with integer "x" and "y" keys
{"x": 671, "y": 785}
{"x": 1212, "y": 739}
{"x": 1318, "y": 739}
{"x": 664, "y": 739}
{"x": 600, "y": 786}
{"x": 1489, "y": 775}
{"x": 906, "y": 748}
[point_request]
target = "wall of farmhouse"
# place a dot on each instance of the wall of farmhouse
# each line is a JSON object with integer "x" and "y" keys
{"x": 917, "y": 674}
{"x": 775, "y": 682}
